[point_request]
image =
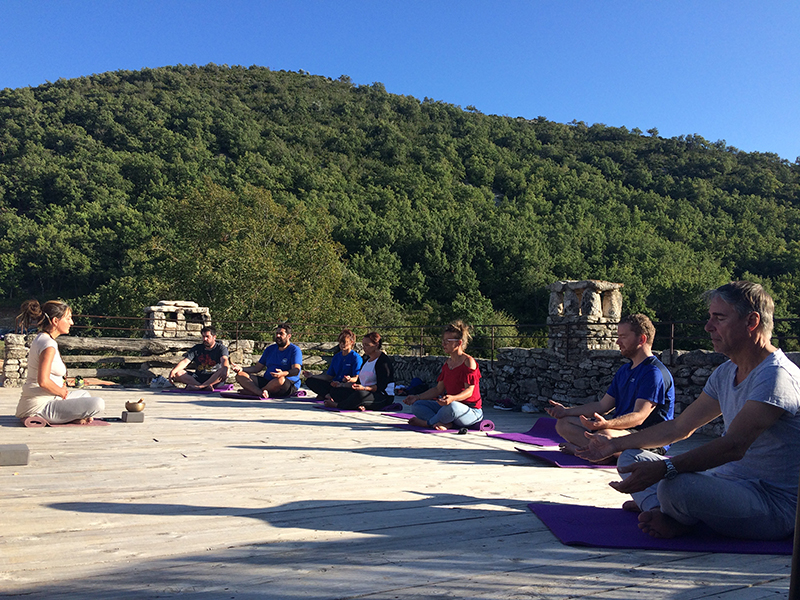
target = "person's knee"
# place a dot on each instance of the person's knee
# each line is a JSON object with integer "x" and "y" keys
{"x": 98, "y": 405}
{"x": 628, "y": 457}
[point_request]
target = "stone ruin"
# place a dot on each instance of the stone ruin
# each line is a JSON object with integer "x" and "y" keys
{"x": 583, "y": 315}
{"x": 175, "y": 319}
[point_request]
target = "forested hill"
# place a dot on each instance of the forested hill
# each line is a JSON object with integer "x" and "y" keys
{"x": 285, "y": 195}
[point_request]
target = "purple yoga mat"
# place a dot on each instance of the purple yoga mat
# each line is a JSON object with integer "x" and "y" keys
{"x": 397, "y": 415}
{"x": 222, "y": 388}
{"x": 577, "y": 525}
{"x": 334, "y": 409}
{"x": 484, "y": 425}
{"x": 566, "y": 461}
{"x": 299, "y": 396}
{"x": 543, "y": 433}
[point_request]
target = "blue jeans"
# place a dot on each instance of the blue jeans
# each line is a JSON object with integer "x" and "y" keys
{"x": 743, "y": 508}
{"x": 456, "y": 413}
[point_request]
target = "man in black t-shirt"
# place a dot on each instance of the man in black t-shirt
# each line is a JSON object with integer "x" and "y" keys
{"x": 210, "y": 360}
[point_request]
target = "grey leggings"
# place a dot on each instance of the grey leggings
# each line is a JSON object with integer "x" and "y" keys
{"x": 77, "y": 405}
{"x": 743, "y": 508}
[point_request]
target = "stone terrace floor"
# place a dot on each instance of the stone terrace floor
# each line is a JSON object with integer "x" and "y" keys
{"x": 241, "y": 499}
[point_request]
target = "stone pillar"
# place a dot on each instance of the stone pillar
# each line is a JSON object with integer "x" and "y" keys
{"x": 176, "y": 318}
{"x": 15, "y": 363}
{"x": 583, "y": 315}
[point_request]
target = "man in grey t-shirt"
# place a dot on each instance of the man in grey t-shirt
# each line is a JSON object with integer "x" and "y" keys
{"x": 743, "y": 484}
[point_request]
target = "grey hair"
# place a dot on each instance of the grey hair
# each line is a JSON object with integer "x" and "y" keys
{"x": 747, "y": 297}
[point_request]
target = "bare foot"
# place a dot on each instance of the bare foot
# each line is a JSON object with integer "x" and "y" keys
{"x": 264, "y": 395}
{"x": 362, "y": 408}
{"x": 417, "y": 422}
{"x": 440, "y": 427}
{"x": 631, "y": 506}
{"x": 568, "y": 448}
{"x": 329, "y": 403}
{"x": 84, "y": 421}
{"x": 658, "y": 525}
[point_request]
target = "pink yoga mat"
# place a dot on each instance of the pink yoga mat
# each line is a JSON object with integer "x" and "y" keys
{"x": 222, "y": 388}
{"x": 37, "y": 421}
{"x": 577, "y": 525}
{"x": 543, "y": 433}
{"x": 565, "y": 461}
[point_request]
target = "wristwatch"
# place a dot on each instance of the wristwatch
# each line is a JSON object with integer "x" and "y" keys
{"x": 672, "y": 472}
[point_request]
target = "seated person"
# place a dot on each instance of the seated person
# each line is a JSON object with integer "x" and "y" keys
{"x": 455, "y": 400}
{"x": 210, "y": 359}
{"x": 44, "y": 393}
{"x": 641, "y": 394}
{"x": 374, "y": 386}
{"x": 344, "y": 366}
{"x": 743, "y": 484}
{"x": 282, "y": 362}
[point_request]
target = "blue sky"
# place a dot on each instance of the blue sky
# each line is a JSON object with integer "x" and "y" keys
{"x": 723, "y": 69}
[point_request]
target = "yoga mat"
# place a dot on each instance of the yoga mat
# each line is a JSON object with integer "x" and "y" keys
{"x": 397, "y": 415}
{"x": 222, "y": 388}
{"x": 577, "y": 525}
{"x": 484, "y": 425}
{"x": 392, "y": 408}
{"x": 37, "y": 421}
{"x": 338, "y": 410}
{"x": 565, "y": 461}
{"x": 543, "y": 433}
{"x": 297, "y": 396}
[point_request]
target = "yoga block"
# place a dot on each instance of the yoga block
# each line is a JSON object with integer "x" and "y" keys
{"x": 13, "y": 454}
{"x": 132, "y": 417}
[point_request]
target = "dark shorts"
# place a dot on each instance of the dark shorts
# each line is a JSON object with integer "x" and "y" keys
{"x": 286, "y": 390}
{"x": 200, "y": 378}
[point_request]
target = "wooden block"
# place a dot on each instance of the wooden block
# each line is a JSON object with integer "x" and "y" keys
{"x": 132, "y": 417}
{"x": 13, "y": 454}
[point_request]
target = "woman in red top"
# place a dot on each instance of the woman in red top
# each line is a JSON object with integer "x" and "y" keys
{"x": 455, "y": 400}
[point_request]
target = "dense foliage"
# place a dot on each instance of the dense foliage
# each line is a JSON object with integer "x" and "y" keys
{"x": 283, "y": 195}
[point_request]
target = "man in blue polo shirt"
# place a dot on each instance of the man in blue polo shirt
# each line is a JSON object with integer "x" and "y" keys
{"x": 281, "y": 362}
{"x": 641, "y": 395}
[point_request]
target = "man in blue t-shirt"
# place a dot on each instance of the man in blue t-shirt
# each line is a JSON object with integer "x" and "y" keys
{"x": 641, "y": 395}
{"x": 282, "y": 362}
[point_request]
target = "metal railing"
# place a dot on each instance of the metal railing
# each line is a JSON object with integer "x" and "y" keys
{"x": 426, "y": 339}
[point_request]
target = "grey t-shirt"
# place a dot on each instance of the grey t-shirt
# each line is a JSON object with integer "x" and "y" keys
{"x": 774, "y": 457}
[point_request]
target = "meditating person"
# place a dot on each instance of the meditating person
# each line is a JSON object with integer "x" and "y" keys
{"x": 344, "y": 366}
{"x": 455, "y": 400}
{"x": 281, "y": 361}
{"x": 743, "y": 484}
{"x": 641, "y": 394}
{"x": 211, "y": 360}
{"x": 44, "y": 393}
{"x": 374, "y": 387}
